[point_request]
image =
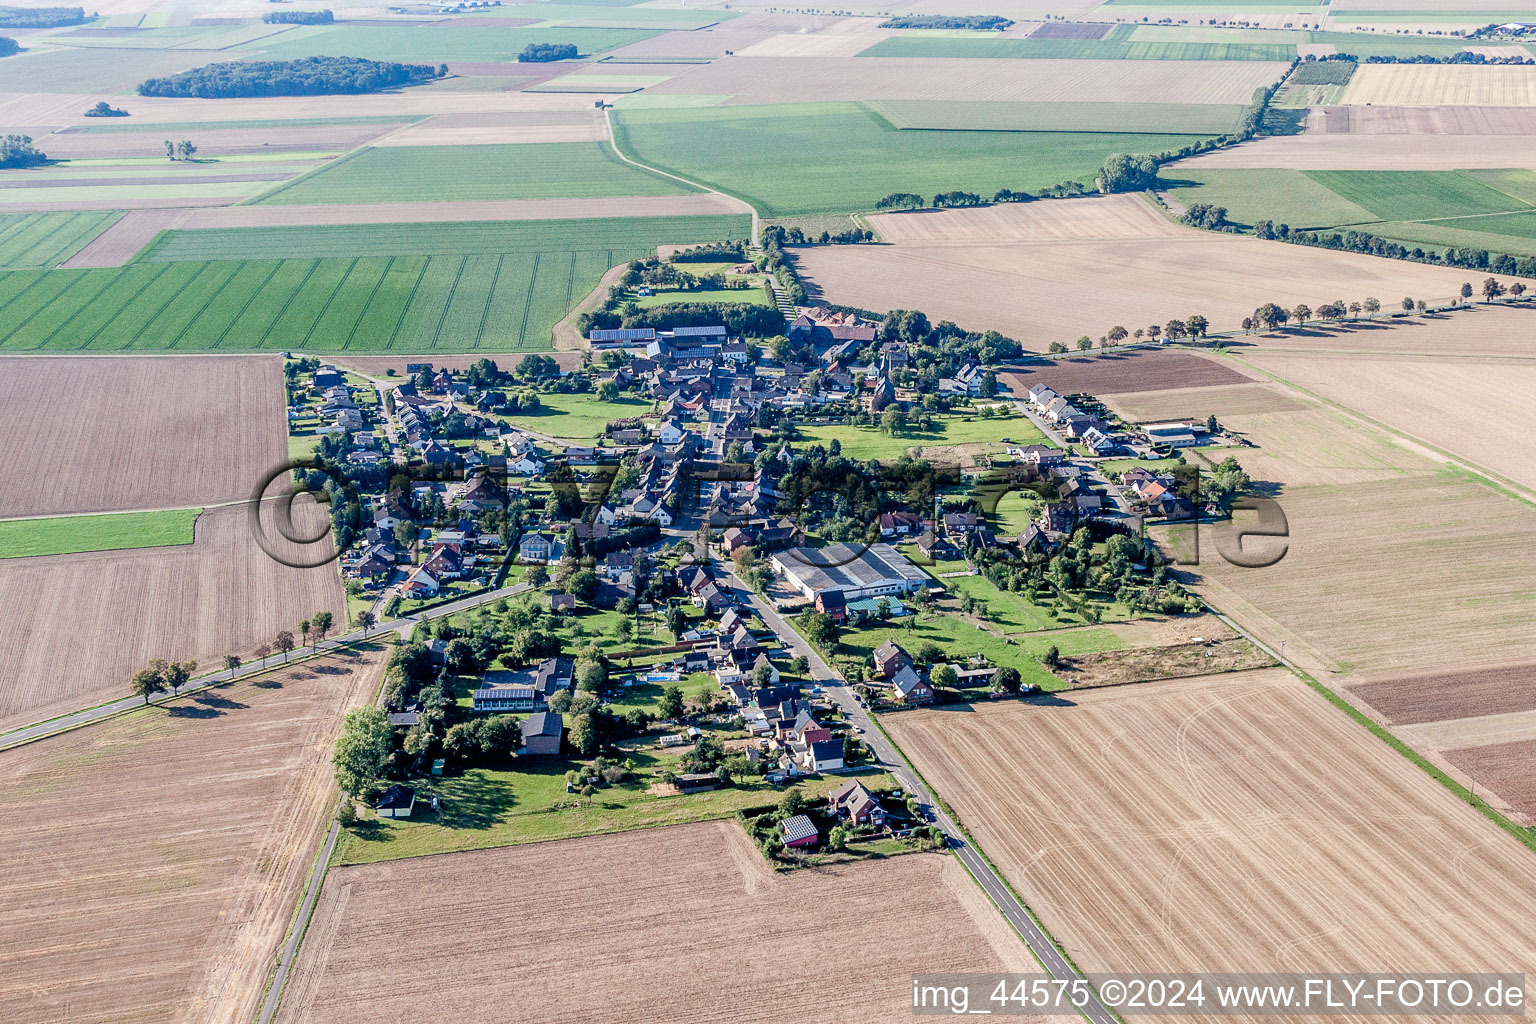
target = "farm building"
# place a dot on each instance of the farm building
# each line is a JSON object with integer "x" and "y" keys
{"x": 697, "y": 782}
{"x": 1175, "y": 435}
{"x": 541, "y": 733}
{"x": 871, "y": 572}
{"x": 397, "y": 802}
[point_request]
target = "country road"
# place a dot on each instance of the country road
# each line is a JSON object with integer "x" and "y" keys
{"x": 887, "y": 755}
{"x": 87, "y": 716}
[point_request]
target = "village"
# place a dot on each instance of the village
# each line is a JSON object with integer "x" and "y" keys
{"x": 646, "y": 556}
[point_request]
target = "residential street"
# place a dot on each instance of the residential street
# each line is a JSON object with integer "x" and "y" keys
{"x": 886, "y": 754}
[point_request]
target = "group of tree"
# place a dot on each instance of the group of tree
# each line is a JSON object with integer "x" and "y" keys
{"x": 1272, "y": 315}
{"x": 744, "y": 319}
{"x": 1463, "y": 257}
{"x": 40, "y": 17}
{"x": 1208, "y": 217}
{"x": 848, "y": 236}
{"x": 18, "y": 151}
{"x": 1123, "y": 172}
{"x": 105, "y": 109}
{"x": 182, "y": 150}
{"x": 304, "y": 76}
{"x": 299, "y": 18}
{"x": 966, "y": 22}
{"x": 159, "y": 676}
{"x": 1193, "y": 326}
{"x": 543, "y": 53}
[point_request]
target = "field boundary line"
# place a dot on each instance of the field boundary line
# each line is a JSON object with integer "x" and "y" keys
{"x": 613, "y": 142}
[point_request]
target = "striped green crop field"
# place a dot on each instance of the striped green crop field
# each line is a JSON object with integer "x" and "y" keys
{"x": 47, "y": 239}
{"x": 483, "y": 297}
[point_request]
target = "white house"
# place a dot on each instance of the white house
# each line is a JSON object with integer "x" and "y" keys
{"x": 670, "y": 432}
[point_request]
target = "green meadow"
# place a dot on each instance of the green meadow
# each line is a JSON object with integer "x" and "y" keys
{"x": 843, "y": 157}
{"x": 61, "y": 535}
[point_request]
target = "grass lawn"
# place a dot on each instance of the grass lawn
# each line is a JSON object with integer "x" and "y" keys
{"x": 540, "y": 170}
{"x": 846, "y": 156}
{"x": 579, "y": 417}
{"x": 1016, "y": 613}
{"x": 960, "y": 639}
{"x": 60, "y": 535}
{"x": 870, "y": 443}
{"x": 735, "y": 296}
{"x": 528, "y": 803}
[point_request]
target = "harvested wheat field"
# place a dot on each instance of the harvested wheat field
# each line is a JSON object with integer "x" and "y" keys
{"x": 512, "y": 127}
{"x": 153, "y": 861}
{"x": 1434, "y": 85}
{"x": 81, "y": 624}
{"x": 1197, "y": 403}
{"x": 808, "y": 79}
{"x": 1424, "y": 120}
{"x": 1046, "y": 291}
{"x": 843, "y": 37}
{"x": 1125, "y": 370}
{"x": 1429, "y": 400}
{"x": 1106, "y": 218}
{"x": 1321, "y": 152}
{"x": 103, "y": 433}
{"x": 668, "y": 924}
{"x": 1380, "y": 574}
{"x": 1227, "y": 823}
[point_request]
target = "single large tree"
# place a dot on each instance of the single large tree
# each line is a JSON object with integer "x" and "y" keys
{"x": 322, "y": 623}
{"x": 147, "y": 682}
{"x": 361, "y": 750}
{"x": 178, "y": 673}
{"x": 283, "y": 642}
{"x": 672, "y": 702}
{"x": 365, "y": 621}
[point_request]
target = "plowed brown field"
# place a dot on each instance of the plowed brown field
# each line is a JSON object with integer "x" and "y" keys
{"x": 1227, "y": 823}
{"x": 152, "y": 862}
{"x": 1131, "y": 370}
{"x": 1438, "y": 696}
{"x": 99, "y": 434}
{"x": 669, "y": 924}
{"x": 80, "y": 625}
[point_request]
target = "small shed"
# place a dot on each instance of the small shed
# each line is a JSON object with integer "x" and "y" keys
{"x": 397, "y": 802}
{"x": 697, "y": 782}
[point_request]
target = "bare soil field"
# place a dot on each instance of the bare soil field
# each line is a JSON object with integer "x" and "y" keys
{"x": 1047, "y": 291}
{"x": 81, "y": 625}
{"x": 1509, "y": 769}
{"x": 1373, "y": 152}
{"x": 154, "y": 860}
{"x": 1200, "y": 402}
{"x": 1227, "y": 823}
{"x": 1429, "y": 399}
{"x": 1106, "y": 217}
{"x": 122, "y": 241}
{"x": 1379, "y": 575}
{"x": 1128, "y": 370}
{"x": 683, "y": 914}
{"x": 1438, "y": 696}
{"x": 1462, "y": 733}
{"x": 1434, "y": 85}
{"x": 806, "y": 79}
{"x": 103, "y": 433}
{"x": 488, "y": 129}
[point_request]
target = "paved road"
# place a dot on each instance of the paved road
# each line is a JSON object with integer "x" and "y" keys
{"x": 886, "y": 754}
{"x": 403, "y": 624}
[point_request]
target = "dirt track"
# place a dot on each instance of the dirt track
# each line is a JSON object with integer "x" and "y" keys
{"x": 1231, "y": 823}
{"x": 663, "y": 925}
{"x": 152, "y": 862}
